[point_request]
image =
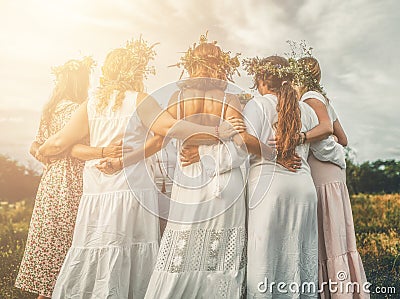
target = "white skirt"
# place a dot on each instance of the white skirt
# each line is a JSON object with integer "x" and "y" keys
{"x": 206, "y": 259}
{"x": 114, "y": 247}
{"x": 282, "y": 234}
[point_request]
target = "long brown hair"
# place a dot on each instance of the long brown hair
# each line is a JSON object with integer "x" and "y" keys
{"x": 288, "y": 125}
{"x": 72, "y": 83}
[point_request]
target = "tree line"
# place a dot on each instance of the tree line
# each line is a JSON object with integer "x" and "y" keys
{"x": 19, "y": 182}
{"x": 380, "y": 176}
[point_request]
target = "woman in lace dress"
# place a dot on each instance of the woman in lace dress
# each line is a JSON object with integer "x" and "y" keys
{"x": 60, "y": 188}
{"x": 116, "y": 236}
{"x": 336, "y": 243}
{"x": 203, "y": 249}
{"x": 282, "y": 221}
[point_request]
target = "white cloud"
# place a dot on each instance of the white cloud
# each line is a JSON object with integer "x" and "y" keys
{"x": 356, "y": 42}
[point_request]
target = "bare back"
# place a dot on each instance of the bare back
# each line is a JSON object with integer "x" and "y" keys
{"x": 204, "y": 107}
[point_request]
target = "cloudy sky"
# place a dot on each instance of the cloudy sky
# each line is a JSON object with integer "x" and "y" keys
{"x": 356, "y": 41}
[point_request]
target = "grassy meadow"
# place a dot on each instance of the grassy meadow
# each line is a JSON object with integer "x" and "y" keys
{"x": 376, "y": 218}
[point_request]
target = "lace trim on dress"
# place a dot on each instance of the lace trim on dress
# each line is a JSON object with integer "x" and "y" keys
{"x": 202, "y": 250}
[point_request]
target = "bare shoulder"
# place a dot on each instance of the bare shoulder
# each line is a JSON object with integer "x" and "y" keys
{"x": 233, "y": 100}
{"x": 174, "y": 97}
{"x": 141, "y": 97}
{"x": 232, "y": 97}
{"x": 145, "y": 100}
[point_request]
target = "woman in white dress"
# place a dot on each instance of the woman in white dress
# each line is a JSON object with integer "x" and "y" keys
{"x": 337, "y": 247}
{"x": 203, "y": 249}
{"x": 282, "y": 221}
{"x": 116, "y": 239}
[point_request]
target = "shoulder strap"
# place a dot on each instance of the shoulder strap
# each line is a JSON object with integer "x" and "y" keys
{"x": 178, "y": 111}
{"x": 223, "y": 110}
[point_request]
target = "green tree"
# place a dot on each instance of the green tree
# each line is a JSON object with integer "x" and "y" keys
{"x": 17, "y": 182}
{"x": 380, "y": 176}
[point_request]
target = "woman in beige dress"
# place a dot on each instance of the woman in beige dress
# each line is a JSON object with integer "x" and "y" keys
{"x": 338, "y": 258}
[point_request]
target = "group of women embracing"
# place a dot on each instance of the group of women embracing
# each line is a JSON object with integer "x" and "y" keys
{"x": 259, "y": 205}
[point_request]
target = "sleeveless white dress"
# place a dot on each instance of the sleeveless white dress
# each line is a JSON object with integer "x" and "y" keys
{"x": 282, "y": 222}
{"x": 203, "y": 248}
{"x": 116, "y": 239}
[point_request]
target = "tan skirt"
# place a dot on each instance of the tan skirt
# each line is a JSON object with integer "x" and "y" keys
{"x": 338, "y": 258}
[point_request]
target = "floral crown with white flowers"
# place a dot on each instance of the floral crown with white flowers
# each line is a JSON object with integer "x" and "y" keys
{"x": 262, "y": 68}
{"x": 302, "y": 74}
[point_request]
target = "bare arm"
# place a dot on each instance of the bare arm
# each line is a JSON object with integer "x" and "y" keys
{"x": 328, "y": 149}
{"x": 85, "y": 152}
{"x": 74, "y": 131}
{"x": 161, "y": 122}
{"x": 339, "y": 133}
{"x": 325, "y": 128}
{"x": 33, "y": 149}
{"x": 152, "y": 146}
{"x": 253, "y": 144}
{"x": 34, "y": 152}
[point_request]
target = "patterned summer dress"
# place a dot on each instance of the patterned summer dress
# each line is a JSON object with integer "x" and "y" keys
{"x": 54, "y": 214}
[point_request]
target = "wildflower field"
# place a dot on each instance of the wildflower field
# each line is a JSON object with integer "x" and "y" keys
{"x": 376, "y": 218}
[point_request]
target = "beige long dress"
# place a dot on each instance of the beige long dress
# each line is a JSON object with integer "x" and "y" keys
{"x": 338, "y": 258}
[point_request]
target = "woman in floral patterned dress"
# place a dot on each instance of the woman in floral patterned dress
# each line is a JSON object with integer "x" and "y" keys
{"x": 60, "y": 189}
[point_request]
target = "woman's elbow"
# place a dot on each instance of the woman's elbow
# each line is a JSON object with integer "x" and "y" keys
{"x": 326, "y": 130}
{"x": 160, "y": 142}
{"x": 241, "y": 139}
{"x": 329, "y": 129}
{"x": 343, "y": 141}
{"x": 57, "y": 146}
{"x": 33, "y": 149}
{"x": 74, "y": 153}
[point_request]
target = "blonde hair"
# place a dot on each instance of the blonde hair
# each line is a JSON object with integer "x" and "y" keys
{"x": 71, "y": 83}
{"x": 313, "y": 76}
{"x": 124, "y": 69}
{"x": 313, "y": 71}
{"x": 118, "y": 75}
{"x": 209, "y": 60}
{"x": 209, "y": 56}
